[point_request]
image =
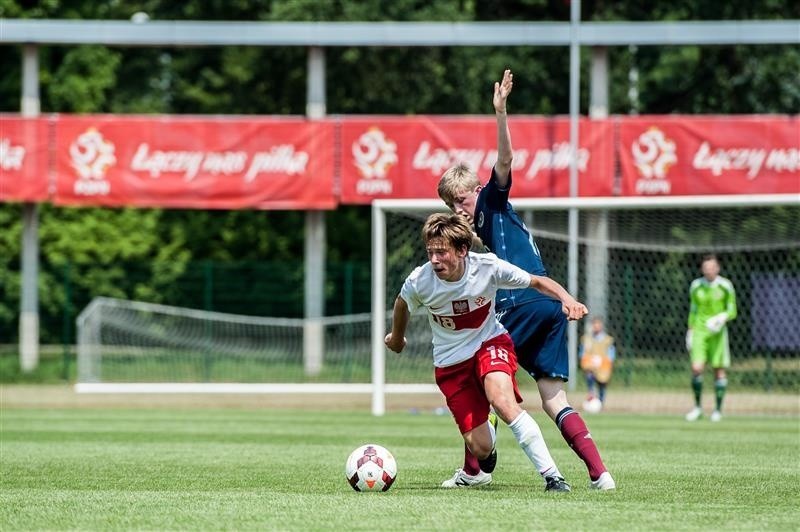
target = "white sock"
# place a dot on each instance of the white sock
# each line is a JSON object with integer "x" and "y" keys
{"x": 529, "y": 436}
{"x": 493, "y": 432}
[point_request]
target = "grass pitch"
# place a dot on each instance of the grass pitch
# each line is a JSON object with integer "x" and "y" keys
{"x": 248, "y": 469}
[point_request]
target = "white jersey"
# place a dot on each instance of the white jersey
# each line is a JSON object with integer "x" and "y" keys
{"x": 461, "y": 313}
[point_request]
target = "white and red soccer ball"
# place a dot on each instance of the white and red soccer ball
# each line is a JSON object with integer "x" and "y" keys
{"x": 370, "y": 468}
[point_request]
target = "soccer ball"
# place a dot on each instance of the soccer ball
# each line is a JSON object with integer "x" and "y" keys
{"x": 370, "y": 468}
{"x": 593, "y": 405}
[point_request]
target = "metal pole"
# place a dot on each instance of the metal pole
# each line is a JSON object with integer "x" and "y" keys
{"x": 574, "y": 109}
{"x": 313, "y": 331}
{"x": 315, "y": 237}
{"x": 29, "y": 300}
{"x": 596, "y": 257}
{"x": 315, "y": 89}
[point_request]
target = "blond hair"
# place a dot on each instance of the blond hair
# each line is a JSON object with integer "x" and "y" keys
{"x": 455, "y": 181}
{"x": 453, "y": 228}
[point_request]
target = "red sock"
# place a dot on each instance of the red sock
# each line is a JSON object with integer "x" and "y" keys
{"x": 471, "y": 466}
{"x": 578, "y": 438}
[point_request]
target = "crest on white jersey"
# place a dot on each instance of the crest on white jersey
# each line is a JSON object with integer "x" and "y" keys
{"x": 461, "y": 306}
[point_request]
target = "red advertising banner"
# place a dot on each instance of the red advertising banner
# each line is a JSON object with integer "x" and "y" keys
{"x": 194, "y": 162}
{"x": 404, "y": 157}
{"x": 24, "y": 147}
{"x": 689, "y": 155}
{"x": 290, "y": 163}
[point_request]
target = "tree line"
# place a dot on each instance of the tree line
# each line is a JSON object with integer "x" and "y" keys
{"x": 103, "y": 243}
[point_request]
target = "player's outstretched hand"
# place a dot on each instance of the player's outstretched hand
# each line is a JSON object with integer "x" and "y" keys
{"x": 396, "y": 345}
{"x": 574, "y": 310}
{"x": 501, "y": 91}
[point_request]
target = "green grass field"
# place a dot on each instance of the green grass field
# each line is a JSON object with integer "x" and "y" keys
{"x": 249, "y": 469}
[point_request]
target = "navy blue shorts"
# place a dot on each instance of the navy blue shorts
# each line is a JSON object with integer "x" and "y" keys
{"x": 539, "y": 332}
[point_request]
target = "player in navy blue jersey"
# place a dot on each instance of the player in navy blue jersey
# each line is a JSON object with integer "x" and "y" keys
{"x": 535, "y": 322}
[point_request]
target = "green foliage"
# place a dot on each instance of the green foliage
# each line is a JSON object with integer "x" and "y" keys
{"x": 55, "y": 367}
{"x": 712, "y": 79}
{"x": 83, "y": 78}
{"x": 243, "y": 80}
{"x": 106, "y": 239}
{"x": 10, "y": 247}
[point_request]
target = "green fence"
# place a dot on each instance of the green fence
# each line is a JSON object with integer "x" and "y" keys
{"x": 251, "y": 288}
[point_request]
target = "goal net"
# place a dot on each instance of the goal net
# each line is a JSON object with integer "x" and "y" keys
{"x": 636, "y": 259}
{"x": 137, "y": 347}
{"x": 132, "y": 346}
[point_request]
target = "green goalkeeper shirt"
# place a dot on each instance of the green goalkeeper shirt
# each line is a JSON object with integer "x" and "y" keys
{"x": 708, "y": 299}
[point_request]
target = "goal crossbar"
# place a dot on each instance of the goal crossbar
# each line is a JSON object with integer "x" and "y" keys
{"x": 608, "y": 202}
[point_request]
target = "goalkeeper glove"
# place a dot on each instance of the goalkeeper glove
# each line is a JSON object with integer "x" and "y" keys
{"x": 689, "y": 340}
{"x": 716, "y": 323}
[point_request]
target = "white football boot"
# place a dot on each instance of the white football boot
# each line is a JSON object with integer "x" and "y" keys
{"x": 604, "y": 482}
{"x": 694, "y": 414}
{"x": 716, "y": 415}
{"x": 462, "y": 480}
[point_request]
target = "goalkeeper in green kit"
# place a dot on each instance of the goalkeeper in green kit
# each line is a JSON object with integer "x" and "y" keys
{"x": 713, "y": 304}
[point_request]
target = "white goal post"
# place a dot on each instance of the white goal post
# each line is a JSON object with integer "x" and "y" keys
{"x": 596, "y": 236}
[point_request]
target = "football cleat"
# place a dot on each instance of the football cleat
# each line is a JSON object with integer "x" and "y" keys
{"x": 557, "y": 484}
{"x": 462, "y": 480}
{"x": 604, "y": 482}
{"x": 488, "y": 463}
{"x": 716, "y": 415}
{"x": 694, "y": 414}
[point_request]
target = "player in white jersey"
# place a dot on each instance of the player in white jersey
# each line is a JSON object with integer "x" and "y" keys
{"x": 473, "y": 355}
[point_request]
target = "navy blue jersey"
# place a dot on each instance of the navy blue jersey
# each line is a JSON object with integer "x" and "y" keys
{"x": 504, "y": 233}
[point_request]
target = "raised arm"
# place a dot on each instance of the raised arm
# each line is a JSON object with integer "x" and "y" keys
{"x": 574, "y": 309}
{"x": 396, "y": 340}
{"x": 504, "y": 153}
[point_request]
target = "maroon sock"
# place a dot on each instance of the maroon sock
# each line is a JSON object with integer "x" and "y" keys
{"x": 578, "y": 438}
{"x": 471, "y": 466}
